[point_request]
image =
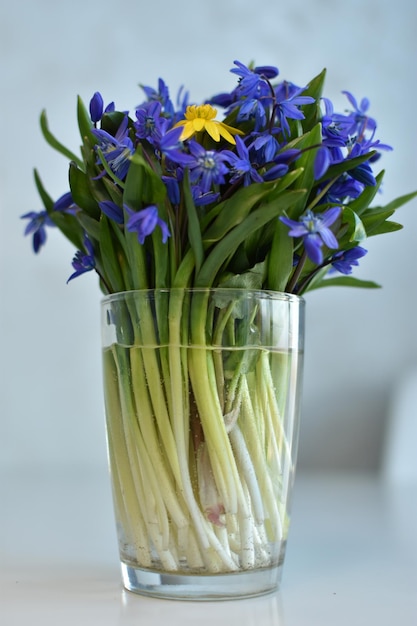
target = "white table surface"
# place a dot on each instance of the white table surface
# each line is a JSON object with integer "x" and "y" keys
{"x": 351, "y": 559}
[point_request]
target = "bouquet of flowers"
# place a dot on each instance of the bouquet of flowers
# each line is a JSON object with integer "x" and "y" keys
{"x": 274, "y": 196}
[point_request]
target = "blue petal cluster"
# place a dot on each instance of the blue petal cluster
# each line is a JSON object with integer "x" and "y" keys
{"x": 345, "y": 137}
{"x": 84, "y": 260}
{"x": 315, "y": 231}
{"x": 345, "y": 260}
{"x": 39, "y": 221}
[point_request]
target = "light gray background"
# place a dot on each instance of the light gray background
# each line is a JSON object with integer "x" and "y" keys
{"x": 360, "y": 344}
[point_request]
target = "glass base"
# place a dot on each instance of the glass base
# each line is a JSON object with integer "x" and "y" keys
{"x": 201, "y": 587}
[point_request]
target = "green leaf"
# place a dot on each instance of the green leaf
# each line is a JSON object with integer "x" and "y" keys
{"x": 287, "y": 180}
{"x": 153, "y": 188}
{"x": 356, "y": 230}
{"x": 234, "y": 210}
{"x": 345, "y": 281}
{"x": 362, "y": 202}
{"x": 335, "y": 171}
{"x": 84, "y": 121}
{"x": 55, "y": 144}
{"x": 252, "y": 279}
{"x": 90, "y": 225}
{"x": 226, "y": 247}
{"x": 194, "y": 232}
{"x": 110, "y": 122}
{"x": 280, "y": 258}
{"x": 45, "y": 197}
{"x": 312, "y": 112}
{"x": 142, "y": 185}
{"x": 81, "y": 191}
{"x": 132, "y": 193}
{"x": 109, "y": 257}
{"x": 395, "y": 204}
{"x": 160, "y": 259}
{"x": 135, "y": 252}
{"x": 374, "y": 221}
{"x": 386, "y": 227}
{"x": 306, "y": 181}
{"x": 114, "y": 192}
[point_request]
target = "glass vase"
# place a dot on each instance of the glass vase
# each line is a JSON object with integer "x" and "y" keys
{"x": 202, "y": 395}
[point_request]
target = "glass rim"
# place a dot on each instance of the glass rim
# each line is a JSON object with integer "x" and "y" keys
{"x": 267, "y": 294}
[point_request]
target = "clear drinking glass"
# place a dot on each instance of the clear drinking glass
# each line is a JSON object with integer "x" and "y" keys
{"x": 202, "y": 395}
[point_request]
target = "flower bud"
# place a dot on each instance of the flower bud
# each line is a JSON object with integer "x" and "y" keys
{"x": 96, "y": 107}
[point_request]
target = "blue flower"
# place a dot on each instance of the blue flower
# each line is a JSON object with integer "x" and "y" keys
{"x": 241, "y": 164}
{"x": 96, "y": 107}
{"x": 281, "y": 164}
{"x": 265, "y": 146}
{"x": 150, "y": 125}
{"x": 369, "y": 144}
{"x": 334, "y": 132}
{"x": 276, "y": 171}
{"x": 322, "y": 162}
{"x": 335, "y": 138}
{"x": 172, "y": 147}
{"x": 288, "y": 103}
{"x": 112, "y": 210}
{"x": 37, "y": 227}
{"x": 116, "y": 150}
{"x": 208, "y": 167}
{"x": 266, "y": 71}
{"x": 201, "y": 198}
{"x": 363, "y": 173}
{"x": 252, "y": 108}
{"x": 161, "y": 96}
{"x": 66, "y": 204}
{"x": 357, "y": 121}
{"x": 83, "y": 261}
{"x": 314, "y": 230}
{"x": 252, "y": 83}
{"x": 40, "y": 220}
{"x": 344, "y": 260}
{"x": 144, "y": 223}
{"x": 173, "y": 189}
{"x": 344, "y": 188}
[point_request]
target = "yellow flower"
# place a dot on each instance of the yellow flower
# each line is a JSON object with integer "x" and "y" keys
{"x": 201, "y": 117}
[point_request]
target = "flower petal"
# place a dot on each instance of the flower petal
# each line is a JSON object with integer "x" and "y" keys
{"x": 312, "y": 244}
{"x": 328, "y": 238}
{"x": 199, "y": 123}
{"x": 331, "y": 215}
{"x": 213, "y": 130}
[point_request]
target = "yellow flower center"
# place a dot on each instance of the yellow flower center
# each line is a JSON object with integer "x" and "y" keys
{"x": 202, "y": 111}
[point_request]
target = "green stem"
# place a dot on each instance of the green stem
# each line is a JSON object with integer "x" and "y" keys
{"x": 322, "y": 193}
{"x": 124, "y": 492}
{"x": 204, "y": 387}
{"x": 254, "y": 435}
{"x": 181, "y": 425}
{"x": 291, "y": 287}
{"x": 165, "y": 480}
